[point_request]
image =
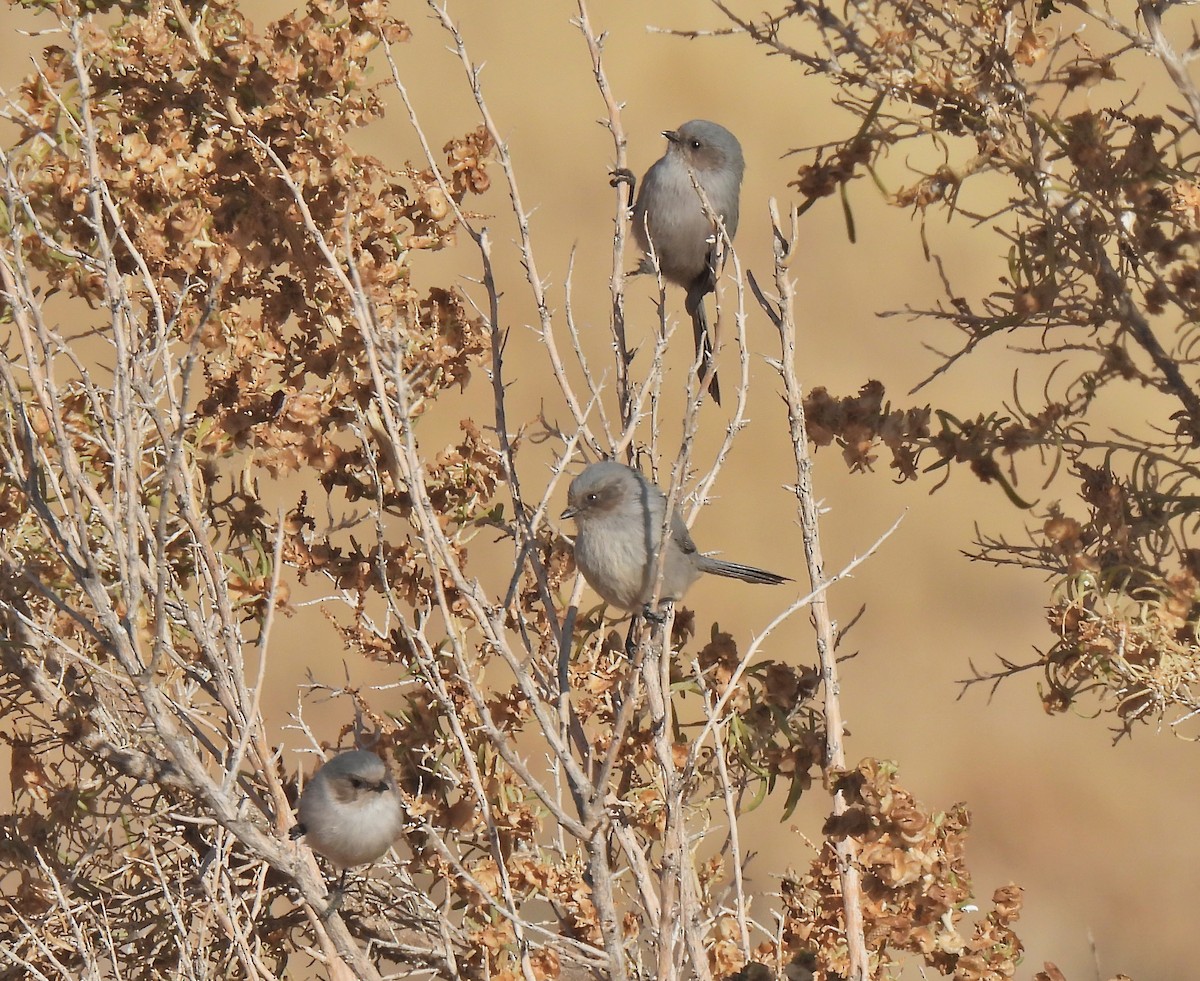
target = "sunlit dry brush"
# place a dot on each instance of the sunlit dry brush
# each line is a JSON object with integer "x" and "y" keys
{"x": 1081, "y": 126}
{"x": 205, "y": 285}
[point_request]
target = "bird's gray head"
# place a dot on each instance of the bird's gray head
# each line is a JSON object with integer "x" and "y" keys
{"x": 706, "y": 146}
{"x": 603, "y": 489}
{"x": 355, "y": 776}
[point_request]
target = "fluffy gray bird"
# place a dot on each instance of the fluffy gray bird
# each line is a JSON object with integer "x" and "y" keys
{"x": 350, "y": 810}
{"x": 619, "y": 514}
{"x": 668, "y": 213}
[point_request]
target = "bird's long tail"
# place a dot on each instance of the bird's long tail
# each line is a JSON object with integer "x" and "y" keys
{"x": 704, "y": 347}
{"x": 735, "y": 570}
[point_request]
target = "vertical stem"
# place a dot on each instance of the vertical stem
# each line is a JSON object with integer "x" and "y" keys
{"x": 616, "y": 283}
{"x": 782, "y": 313}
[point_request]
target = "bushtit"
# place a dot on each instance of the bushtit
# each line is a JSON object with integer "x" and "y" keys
{"x": 620, "y": 518}
{"x": 350, "y": 810}
{"x": 685, "y": 241}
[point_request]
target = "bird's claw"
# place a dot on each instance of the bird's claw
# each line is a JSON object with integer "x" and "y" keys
{"x": 335, "y": 903}
{"x": 656, "y": 617}
{"x": 631, "y": 643}
{"x": 336, "y": 895}
{"x": 623, "y": 175}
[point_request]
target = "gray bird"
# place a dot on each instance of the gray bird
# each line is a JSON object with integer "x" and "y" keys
{"x": 669, "y": 209}
{"x": 350, "y": 810}
{"x": 619, "y": 514}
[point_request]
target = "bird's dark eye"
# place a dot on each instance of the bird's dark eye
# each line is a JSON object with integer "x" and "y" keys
{"x": 593, "y": 497}
{"x": 696, "y": 144}
{"x": 356, "y": 783}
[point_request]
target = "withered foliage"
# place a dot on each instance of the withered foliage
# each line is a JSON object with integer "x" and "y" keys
{"x": 1087, "y": 148}
{"x": 204, "y": 283}
{"x": 190, "y": 146}
{"x": 186, "y": 185}
{"x": 916, "y": 889}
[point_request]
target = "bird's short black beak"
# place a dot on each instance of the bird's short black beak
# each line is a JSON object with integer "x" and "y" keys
{"x": 569, "y": 512}
{"x": 671, "y": 135}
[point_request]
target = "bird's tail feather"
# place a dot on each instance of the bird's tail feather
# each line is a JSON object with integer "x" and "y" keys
{"x": 704, "y": 349}
{"x": 735, "y": 570}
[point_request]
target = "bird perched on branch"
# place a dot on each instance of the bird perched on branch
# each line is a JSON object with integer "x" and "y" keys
{"x": 670, "y": 219}
{"x": 620, "y": 516}
{"x": 350, "y": 811}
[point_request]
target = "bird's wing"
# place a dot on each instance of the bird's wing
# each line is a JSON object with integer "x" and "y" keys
{"x": 681, "y": 535}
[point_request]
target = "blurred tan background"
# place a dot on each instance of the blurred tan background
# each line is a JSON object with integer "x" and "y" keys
{"x": 1099, "y": 835}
